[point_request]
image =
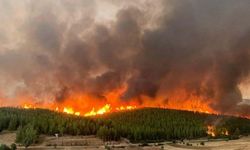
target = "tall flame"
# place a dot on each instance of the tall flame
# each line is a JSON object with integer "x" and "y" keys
{"x": 111, "y": 103}
{"x": 105, "y": 109}
{"x": 69, "y": 110}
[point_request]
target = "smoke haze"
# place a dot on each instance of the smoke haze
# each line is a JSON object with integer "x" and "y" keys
{"x": 50, "y": 50}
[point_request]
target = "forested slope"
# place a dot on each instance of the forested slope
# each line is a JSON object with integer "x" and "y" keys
{"x": 137, "y": 125}
{"x": 165, "y": 124}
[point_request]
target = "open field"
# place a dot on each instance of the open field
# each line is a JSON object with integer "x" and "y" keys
{"x": 94, "y": 143}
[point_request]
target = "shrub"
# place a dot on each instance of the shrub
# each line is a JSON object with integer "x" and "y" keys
{"x": 188, "y": 144}
{"x": 13, "y": 146}
{"x": 27, "y": 135}
{"x": 4, "y": 147}
{"x": 108, "y": 134}
{"x": 107, "y": 147}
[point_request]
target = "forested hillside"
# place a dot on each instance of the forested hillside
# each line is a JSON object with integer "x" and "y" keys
{"x": 164, "y": 124}
{"x": 138, "y": 125}
{"x": 158, "y": 124}
{"x": 30, "y": 123}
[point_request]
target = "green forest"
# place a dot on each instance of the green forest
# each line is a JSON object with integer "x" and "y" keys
{"x": 140, "y": 125}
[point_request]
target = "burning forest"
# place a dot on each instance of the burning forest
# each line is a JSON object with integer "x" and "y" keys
{"x": 91, "y": 58}
{"x": 85, "y": 55}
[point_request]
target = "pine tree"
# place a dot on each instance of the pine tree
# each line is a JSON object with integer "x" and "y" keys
{"x": 27, "y": 135}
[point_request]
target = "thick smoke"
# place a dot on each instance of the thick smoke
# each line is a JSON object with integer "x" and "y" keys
{"x": 52, "y": 49}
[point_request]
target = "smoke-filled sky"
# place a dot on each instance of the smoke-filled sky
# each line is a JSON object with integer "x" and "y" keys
{"x": 50, "y": 49}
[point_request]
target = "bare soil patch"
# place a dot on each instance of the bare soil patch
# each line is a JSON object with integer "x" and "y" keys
{"x": 7, "y": 137}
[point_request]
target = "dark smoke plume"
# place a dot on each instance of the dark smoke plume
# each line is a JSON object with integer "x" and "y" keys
{"x": 51, "y": 49}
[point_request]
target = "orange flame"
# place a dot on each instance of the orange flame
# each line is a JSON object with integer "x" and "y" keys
{"x": 70, "y": 111}
{"x": 26, "y": 106}
{"x": 211, "y": 131}
{"x": 225, "y": 133}
{"x": 105, "y": 109}
{"x": 110, "y": 102}
{"x": 121, "y": 108}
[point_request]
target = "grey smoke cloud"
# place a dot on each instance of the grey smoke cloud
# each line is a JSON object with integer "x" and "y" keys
{"x": 55, "y": 48}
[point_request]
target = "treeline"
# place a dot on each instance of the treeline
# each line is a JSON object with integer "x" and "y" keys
{"x": 235, "y": 125}
{"x": 30, "y": 123}
{"x": 154, "y": 124}
{"x": 48, "y": 122}
{"x": 149, "y": 124}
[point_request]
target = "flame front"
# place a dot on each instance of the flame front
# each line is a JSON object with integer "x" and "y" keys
{"x": 105, "y": 109}
{"x": 28, "y": 106}
{"x": 111, "y": 102}
{"x": 69, "y": 110}
{"x": 121, "y": 108}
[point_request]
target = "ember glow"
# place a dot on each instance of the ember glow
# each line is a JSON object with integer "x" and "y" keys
{"x": 225, "y": 132}
{"x": 212, "y": 131}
